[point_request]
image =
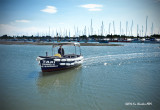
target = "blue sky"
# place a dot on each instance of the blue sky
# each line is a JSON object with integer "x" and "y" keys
{"x": 27, "y": 17}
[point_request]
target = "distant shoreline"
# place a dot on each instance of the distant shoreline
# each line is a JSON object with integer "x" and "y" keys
{"x": 50, "y": 43}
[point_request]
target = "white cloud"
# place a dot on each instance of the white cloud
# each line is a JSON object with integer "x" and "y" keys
{"x": 5, "y": 29}
{"x": 23, "y": 21}
{"x": 15, "y": 30}
{"x": 92, "y": 7}
{"x": 50, "y": 9}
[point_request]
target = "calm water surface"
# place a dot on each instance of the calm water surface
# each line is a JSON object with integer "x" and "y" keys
{"x": 109, "y": 78}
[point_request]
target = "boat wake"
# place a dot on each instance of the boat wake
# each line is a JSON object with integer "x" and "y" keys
{"x": 119, "y": 59}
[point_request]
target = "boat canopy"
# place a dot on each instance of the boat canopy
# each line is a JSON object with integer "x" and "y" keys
{"x": 66, "y": 43}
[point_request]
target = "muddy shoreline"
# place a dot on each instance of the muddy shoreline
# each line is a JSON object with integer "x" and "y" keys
{"x": 50, "y": 43}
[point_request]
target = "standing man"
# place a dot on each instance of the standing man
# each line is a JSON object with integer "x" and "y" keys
{"x": 61, "y": 51}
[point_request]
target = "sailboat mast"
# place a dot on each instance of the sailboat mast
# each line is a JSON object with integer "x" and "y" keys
{"x": 126, "y": 27}
{"x": 152, "y": 29}
{"x": 131, "y": 28}
{"x": 113, "y": 27}
{"x": 102, "y": 29}
{"x": 146, "y": 25}
{"x": 109, "y": 28}
{"x": 142, "y": 30}
{"x": 137, "y": 30}
{"x": 120, "y": 28}
{"x": 91, "y": 28}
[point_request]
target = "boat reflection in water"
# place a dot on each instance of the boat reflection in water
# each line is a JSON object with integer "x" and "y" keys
{"x": 57, "y": 81}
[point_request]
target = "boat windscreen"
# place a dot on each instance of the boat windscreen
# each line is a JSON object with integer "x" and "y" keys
{"x": 66, "y": 44}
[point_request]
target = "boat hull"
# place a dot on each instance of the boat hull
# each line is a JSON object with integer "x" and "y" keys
{"x": 51, "y": 69}
{"x": 51, "y": 64}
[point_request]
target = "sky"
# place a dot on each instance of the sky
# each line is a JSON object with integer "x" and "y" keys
{"x": 73, "y": 17}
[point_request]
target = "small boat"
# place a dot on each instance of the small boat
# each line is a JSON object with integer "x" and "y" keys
{"x": 103, "y": 41}
{"x": 58, "y": 62}
{"x": 136, "y": 40}
{"x": 125, "y": 40}
{"x": 150, "y": 40}
{"x": 113, "y": 40}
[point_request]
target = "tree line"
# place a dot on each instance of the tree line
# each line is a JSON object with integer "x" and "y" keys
{"x": 82, "y": 37}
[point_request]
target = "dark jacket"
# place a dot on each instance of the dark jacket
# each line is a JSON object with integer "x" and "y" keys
{"x": 61, "y": 51}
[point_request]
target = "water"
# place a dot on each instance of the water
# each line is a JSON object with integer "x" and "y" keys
{"x": 109, "y": 78}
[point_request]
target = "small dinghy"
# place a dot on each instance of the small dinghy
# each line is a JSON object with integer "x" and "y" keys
{"x": 60, "y": 61}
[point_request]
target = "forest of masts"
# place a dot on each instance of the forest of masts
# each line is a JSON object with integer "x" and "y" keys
{"x": 142, "y": 32}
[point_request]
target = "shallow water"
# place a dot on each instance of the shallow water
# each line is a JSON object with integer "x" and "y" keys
{"x": 109, "y": 78}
